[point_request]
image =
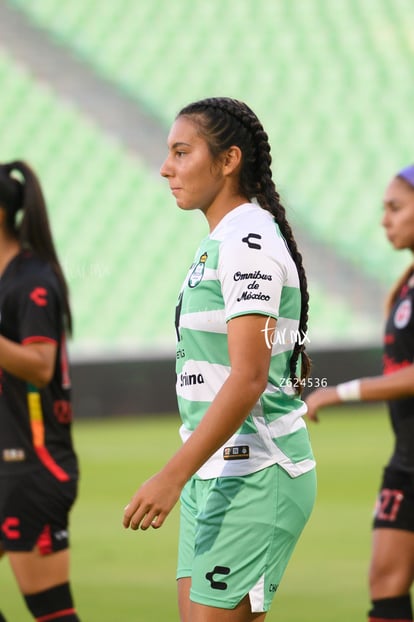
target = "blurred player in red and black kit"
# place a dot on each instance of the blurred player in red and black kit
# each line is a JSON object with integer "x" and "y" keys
{"x": 392, "y": 561}
{"x": 38, "y": 465}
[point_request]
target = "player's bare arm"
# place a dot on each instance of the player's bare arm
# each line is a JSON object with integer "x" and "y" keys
{"x": 33, "y": 362}
{"x": 250, "y": 357}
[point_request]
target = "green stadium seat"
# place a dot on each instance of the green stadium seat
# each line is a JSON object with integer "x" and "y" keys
{"x": 316, "y": 78}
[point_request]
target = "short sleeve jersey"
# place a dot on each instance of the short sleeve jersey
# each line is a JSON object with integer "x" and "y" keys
{"x": 243, "y": 267}
{"x": 35, "y": 424}
{"x": 399, "y": 353}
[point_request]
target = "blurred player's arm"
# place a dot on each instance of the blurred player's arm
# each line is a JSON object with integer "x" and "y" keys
{"x": 34, "y": 362}
{"x": 393, "y": 386}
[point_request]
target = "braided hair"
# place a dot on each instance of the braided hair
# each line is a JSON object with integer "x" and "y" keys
{"x": 27, "y": 220}
{"x": 224, "y": 122}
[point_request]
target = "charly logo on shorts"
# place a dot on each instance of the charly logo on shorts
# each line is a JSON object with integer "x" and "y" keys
{"x": 403, "y": 314}
{"x": 198, "y": 271}
{"x": 218, "y": 585}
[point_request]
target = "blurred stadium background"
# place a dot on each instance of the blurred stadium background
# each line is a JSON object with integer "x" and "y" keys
{"x": 88, "y": 93}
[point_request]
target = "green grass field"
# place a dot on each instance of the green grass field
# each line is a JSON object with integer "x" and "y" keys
{"x": 130, "y": 576}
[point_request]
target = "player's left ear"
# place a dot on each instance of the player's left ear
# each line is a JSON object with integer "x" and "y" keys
{"x": 232, "y": 160}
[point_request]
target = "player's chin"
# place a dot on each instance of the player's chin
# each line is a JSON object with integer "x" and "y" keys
{"x": 400, "y": 245}
{"x": 185, "y": 206}
{"x": 395, "y": 242}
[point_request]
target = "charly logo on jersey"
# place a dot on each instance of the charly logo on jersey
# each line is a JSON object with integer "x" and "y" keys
{"x": 249, "y": 240}
{"x": 198, "y": 271}
{"x": 403, "y": 313}
{"x": 39, "y": 296}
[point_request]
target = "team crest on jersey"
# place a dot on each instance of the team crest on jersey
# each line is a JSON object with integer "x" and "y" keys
{"x": 198, "y": 271}
{"x": 403, "y": 314}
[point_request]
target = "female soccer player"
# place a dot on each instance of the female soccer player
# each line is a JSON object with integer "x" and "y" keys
{"x": 38, "y": 465}
{"x": 392, "y": 563}
{"x": 245, "y": 471}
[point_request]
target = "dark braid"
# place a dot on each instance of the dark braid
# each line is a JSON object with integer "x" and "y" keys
{"x": 225, "y": 122}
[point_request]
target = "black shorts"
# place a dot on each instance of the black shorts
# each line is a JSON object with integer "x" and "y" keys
{"x": 34, "y": 510}
{"x": 394, "y": 508}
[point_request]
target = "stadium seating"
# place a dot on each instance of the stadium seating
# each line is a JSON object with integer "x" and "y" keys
{"x": 141, "y": 47}
{"x": 331, "y": 83}
{"x": 107, "y": 210}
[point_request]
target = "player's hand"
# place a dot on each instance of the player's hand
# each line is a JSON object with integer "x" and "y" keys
{"x": 151, "y": 504}
{"x": 318, "y": 399}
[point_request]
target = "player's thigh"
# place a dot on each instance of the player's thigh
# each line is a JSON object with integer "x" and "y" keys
{"x": 35, "y": 572}
{"x": 392, "y": 562}
{"x": 34, "y": 519}
{"x": 183, "y": 590}
{"x": 241, "y": 613}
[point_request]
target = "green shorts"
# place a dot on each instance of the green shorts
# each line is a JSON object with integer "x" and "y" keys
{"x": 237, "y": 534}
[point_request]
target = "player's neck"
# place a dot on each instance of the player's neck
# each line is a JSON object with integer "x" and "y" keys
{"x": 222, "y": 207}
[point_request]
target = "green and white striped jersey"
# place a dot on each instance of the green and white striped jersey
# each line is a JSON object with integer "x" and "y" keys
{"x": 242, "y": 267}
